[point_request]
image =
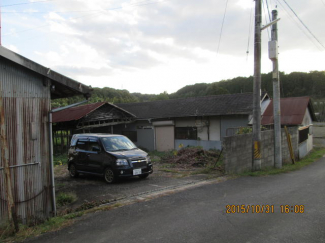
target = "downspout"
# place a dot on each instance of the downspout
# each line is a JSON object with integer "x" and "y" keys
{"x": 51, "y": 150}
{"x": 51, "y": 164}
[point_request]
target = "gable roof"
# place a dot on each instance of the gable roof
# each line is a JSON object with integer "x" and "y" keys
{"x": 64, "y": 86}
{"x": 293, "y": 110}
{"x": 229, "y": 104}
{"x": 79, "y": 112}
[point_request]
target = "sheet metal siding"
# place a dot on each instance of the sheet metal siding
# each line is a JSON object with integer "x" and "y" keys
{"x": 26, "y": 101}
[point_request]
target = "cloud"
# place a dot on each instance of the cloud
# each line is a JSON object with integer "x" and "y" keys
{"x": 163, "y": 41}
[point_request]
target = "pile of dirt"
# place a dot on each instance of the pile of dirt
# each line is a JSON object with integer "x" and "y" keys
{"x": 193, "y": 157}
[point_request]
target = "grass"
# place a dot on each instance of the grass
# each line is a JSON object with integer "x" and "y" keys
{"x": 60, "y": 159}
{"x": 7, "y": 234}
{"x": 311, "y": 157}
{"x": 63, "y": 199}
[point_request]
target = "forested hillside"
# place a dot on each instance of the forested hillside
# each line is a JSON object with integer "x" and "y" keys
{"x": 294, "y": 84}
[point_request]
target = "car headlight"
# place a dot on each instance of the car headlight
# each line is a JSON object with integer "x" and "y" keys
{"x": 148, "y": 160}
{"x": 120, "y": 162}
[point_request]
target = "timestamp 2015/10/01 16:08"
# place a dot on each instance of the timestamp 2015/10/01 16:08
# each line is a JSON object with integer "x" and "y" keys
{"x": 264, "y": 208}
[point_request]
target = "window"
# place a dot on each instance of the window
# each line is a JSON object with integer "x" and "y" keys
{"x": 132, "y": 135}
{"x": 303, "y": 134}
{"x": 186, "y": 133}
{"x": 82, "y": 144}
{"x": 93, "y": 145}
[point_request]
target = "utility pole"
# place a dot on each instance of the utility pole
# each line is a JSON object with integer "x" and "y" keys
{"x": 273, "y": 55}
{"x": 257, "y": 89}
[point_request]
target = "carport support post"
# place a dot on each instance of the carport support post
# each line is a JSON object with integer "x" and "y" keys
{"x": 276, "y": 96}
{"x": 51, "y": 165}
{"x": 257, "y": 89}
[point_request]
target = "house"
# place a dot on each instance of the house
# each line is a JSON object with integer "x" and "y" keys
{"x": 26, "y": 169}
{"x": 97, "y": 118}
{"x": 295, "y": 111}
{"x": 197, "y": 121}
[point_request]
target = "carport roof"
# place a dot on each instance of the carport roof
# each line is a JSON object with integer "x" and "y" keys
{"x": 229, "y": 104}
{"x": 293, "y": 110}
{"x": 75, "y": 113}
{"x": 78, "y": 112}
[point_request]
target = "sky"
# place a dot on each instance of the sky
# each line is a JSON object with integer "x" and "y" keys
{"x": 153, "y": 46}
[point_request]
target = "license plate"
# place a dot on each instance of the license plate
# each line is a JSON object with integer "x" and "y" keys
{"x": 137, "y": 172}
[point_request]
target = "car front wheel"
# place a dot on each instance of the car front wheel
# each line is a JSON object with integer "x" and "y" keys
{"x": 109, "y": 176}
{"x": 73, "y": 171}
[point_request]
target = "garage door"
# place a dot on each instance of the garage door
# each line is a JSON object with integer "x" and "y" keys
{"x": 164, "y": 138}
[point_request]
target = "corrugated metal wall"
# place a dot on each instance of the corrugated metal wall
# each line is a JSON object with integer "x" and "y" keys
{"x": 26, "y": 103}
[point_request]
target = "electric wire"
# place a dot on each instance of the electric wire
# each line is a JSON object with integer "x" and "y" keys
{"x": 249, "y": 32}
{"x": 25, "y": 3}
{"x": 268, "y": 10}
{"x": 303, "y": 24}
{"x": 299, "y": 26}
{"x": 223, "y": 21}
{"x": 323, "y": 2}
{"x": 267, "y": 29}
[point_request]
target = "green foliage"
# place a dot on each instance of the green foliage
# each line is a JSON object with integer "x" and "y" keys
{"x": 161, "y": 96}
{"x": 60, "y": 159}
{"x": 291, "y": 85}
{"x": 311, "y": 157}
{"x": 63, "y": 199}
{"x": 244, "y": 130}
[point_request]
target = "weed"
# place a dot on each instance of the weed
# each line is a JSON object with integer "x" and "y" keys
{"x": 314, "y": 155}
{"x": 60, "y": 159}
{"x": 65, "y": 198}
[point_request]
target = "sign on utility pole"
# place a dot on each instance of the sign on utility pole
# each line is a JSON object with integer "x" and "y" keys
{"x": 257, "y": 88}
{"x": 273, "y": 55}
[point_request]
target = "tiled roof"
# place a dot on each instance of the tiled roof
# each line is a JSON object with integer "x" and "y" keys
{"x": 293, "y": 110}
{"x": 229, "y": 104}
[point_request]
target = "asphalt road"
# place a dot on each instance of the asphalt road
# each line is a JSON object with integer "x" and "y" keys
{"x": 199, "y": 214}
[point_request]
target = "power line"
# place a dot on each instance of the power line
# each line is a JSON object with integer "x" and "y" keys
{"x": 299, "y": 27}
{"x": 267, "y": 30}
{"x": 268, "y": 10}
{"x": 25, "y": 3}
{"x": 249, "y": 32}
{"x": 223, "y": 20}
{"x": 303, "y": 24}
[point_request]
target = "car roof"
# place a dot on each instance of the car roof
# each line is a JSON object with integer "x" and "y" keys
{"x": 97, "y": 135}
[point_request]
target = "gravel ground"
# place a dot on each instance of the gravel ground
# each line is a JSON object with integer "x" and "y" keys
{"x": 92, "y": 188}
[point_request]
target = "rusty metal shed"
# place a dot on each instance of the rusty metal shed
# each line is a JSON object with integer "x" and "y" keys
{"x": 97, "y": 117}
{"x": 26, "y": 90}
{"x": 293, "y": 110}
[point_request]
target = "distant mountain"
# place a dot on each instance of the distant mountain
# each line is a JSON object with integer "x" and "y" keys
{"x": 294, "y": 84}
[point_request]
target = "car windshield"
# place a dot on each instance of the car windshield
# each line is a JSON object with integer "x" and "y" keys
{"x": 117, "y": 143}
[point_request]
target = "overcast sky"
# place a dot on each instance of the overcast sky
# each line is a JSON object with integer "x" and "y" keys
{"x": 152, "y": 46}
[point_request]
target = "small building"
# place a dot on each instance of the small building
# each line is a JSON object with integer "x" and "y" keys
{"x": 197, "y": 121}
{"x": 26, "y": 178}
{"x": 295, "y": 111}
{"x": 91, "y": 118}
